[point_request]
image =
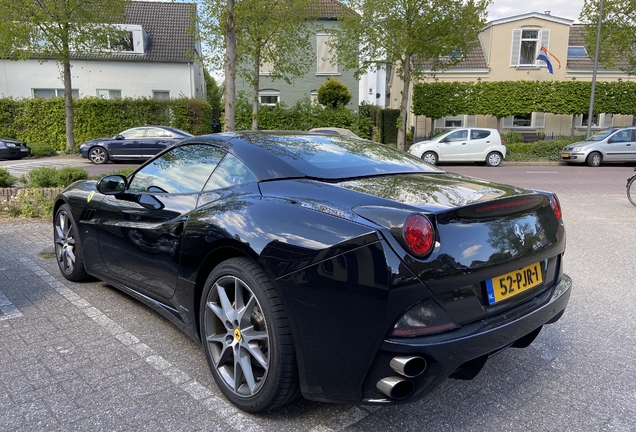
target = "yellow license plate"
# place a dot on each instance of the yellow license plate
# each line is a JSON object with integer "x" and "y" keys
{"x": 565, "y": 156}
{"x": 513, "y": 283}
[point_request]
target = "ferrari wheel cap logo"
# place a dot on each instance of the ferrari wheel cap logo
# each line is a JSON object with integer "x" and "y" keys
{"x": 237, "y": 334}
{"x": 90, "y": 196}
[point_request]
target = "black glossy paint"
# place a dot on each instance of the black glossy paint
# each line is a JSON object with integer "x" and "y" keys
{"x": 339, "y": 267}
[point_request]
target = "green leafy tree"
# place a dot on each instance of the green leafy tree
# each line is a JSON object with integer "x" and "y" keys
{"x": 272, "y": 35}
{"x": 407, "y": 34}
{"x": 618, "y": 32}
{"x": 59, "y": 30}
{"x": 213, "y": 94}
{"x": 332, "y": 93}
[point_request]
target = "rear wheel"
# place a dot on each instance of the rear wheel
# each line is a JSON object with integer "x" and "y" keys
{"x": 68, "y": 249}
{"x": 98, "y": 155}
{"x": 493, "y": 159}
{"x": 430, "y": 157}
{"x": 594, "y": 159}
{"x": 246, "y": 337}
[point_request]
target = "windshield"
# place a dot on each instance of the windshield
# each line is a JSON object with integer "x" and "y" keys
{"x": 338, "y": 157}
{"x": 600, "y": 136}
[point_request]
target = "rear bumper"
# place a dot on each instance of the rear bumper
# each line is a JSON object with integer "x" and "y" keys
{"x": 463, "y": 352}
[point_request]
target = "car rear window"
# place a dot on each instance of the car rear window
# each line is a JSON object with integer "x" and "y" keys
{"x": 338, "y": 157}
{"x": 479, "y": 134}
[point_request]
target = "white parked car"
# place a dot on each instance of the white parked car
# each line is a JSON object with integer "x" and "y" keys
{"x": 462, "y": 145}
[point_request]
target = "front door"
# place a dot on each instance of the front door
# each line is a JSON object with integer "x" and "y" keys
{"x": 455, "y": 146}
{"x": 128, "y": 144}
{"x": 140, "y": 231}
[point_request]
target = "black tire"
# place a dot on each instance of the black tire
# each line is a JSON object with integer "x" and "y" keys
{"x": 494, "y": 159}
{"x": 98, "y": 155}
{"x": 68, "y": 248}
{"x": 631, "y": 190}
{"x": 241, "y": 318}
{"x": 430, "y": 157}
{"x": 594, "y": 159}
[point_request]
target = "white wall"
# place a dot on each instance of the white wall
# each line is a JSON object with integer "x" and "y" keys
{"x": 376, "y": 81}
{"x": 134, "y": 79}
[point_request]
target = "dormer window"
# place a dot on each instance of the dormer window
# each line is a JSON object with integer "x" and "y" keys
{"x": 526, "y": 43}
{"x": 130, "y": 38}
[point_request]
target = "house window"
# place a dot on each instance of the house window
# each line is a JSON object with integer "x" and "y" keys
{"x": 269, "y": 97}
{"x": 123, "y": 42}
{"x": 524, "y": 120}
{"x": 108, "y": 94}
{"x": 577, "y": 51}
{"x": 324, "y": 57}
{"x": 51, "y": 93}
{"x": 313, "y": 96}
{"x": 529, "y": 47}
{"x": 160, "y": 94}
{"x": 454, "y": 121}
{"x": 598, "y": 120}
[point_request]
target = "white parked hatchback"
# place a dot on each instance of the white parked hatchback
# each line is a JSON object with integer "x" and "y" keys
{"x": 463, "y": 145}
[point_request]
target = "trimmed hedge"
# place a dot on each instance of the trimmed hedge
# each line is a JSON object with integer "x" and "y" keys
{"x": 41, "y": 122}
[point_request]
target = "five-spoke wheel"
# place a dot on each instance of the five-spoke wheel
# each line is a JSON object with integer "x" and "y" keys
{"x": 98, "y": 155}
{"x": 67, "y": 246}
{"x": 246, "y": 337}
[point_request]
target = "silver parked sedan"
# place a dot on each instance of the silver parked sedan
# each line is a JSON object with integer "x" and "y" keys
{"x": 612, "y": 145}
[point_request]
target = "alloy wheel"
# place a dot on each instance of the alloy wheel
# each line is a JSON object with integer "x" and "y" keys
{"x": 64, "y": 242}
{"x": 237, "y": 336}
{"x": 98, "y": 155}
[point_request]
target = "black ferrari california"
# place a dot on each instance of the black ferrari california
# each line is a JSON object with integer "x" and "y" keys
{"x": 321, "y": 265}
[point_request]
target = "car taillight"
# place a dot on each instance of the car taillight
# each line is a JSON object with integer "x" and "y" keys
{"x": 502, "y": 142}
{"x": 418, "y": 234}
{"x": 556, "y": 206}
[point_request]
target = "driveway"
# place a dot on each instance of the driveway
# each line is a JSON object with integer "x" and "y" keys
{"x": 23, "y": 166}
{"x": 87, "y": 357}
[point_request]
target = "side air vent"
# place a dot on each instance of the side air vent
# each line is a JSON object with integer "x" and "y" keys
{"x": 87, "y": 215}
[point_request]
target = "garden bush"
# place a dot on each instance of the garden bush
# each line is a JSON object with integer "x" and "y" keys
{"x": 39, "y": 150}
{"x": 6, "y": 179}
{"x": 512, "y": 137}
{"x": 44, "y": 177}
{"x": 68, "y": 175}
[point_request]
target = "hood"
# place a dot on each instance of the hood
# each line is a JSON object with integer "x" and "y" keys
{"x": 12, "y": 140}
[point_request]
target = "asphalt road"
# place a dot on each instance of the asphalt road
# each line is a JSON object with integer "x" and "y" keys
{"x": 87, "y": 357}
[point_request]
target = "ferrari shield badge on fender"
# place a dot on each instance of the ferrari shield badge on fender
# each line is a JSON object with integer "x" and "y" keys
{"x": 90, "y": 196}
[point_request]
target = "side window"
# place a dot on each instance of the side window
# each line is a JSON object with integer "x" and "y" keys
{"x": 181, "y": 170}
{"x": 458, "y": 136}
{"x": 622, "y": 136}
{"x": 133, "y": 133}
{"x": 158, "y": 133}
{"x": 230, "y": 172}
{"x": 479, "y": 134}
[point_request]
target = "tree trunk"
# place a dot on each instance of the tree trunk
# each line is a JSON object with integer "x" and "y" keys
{"x": 68, "y": 107}
{"x": 255, "y": 85}
{"x": 572, "y": 126}
{"x": 405, "y": 101}
{"x": 230, "y": 68}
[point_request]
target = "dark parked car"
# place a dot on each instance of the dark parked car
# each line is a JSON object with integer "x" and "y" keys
{"x": 331, "y": 267}
{"x": 13, "y": 149}
{"x": 140, "y": 143}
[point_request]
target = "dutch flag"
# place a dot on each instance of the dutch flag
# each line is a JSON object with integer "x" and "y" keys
{"x": 543, "y": 56}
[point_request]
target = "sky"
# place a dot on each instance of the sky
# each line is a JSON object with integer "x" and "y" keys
{"x": 569, "y": 9}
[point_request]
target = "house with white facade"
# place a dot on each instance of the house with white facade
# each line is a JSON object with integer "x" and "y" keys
{"x": 157, "y": 58}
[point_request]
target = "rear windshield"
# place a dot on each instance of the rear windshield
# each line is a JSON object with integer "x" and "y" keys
{"x": 339, "y": 157}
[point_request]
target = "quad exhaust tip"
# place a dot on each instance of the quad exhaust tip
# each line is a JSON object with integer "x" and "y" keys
{"x": 395, "y": 387}
{"x": 408, "y": 366}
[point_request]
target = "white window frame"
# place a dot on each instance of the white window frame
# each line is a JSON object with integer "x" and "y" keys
{"x": 542, "y": 39}
{"x": 324, "y": 65}
{"x": 603, "y": 121}
{"x": 108, "y": 94}
{"x": 139, "y": 38}
{"x": 467, "y": 121}
{"x": 159, "y": 94}
{"x": 537, "y": 121}
{"x": 269, "y": 94}
{"x": 58, "y": 92}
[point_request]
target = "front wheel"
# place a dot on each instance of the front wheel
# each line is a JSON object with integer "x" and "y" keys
{"x": 68, "y": 249}
{"x": 430, "y": 157}
{"x": 98, "y": 155}
{"x": 594, "y": 159}
{"x": 631, "y": 190}
{"x": 246, "y": 337}
{"x": 493, "y": 159}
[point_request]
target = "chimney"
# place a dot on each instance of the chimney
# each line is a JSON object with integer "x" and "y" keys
{"x": 546, "y": 12}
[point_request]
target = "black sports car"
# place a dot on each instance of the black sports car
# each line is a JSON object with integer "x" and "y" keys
{"x": 324, "y": 265}
{"x": 140, "y": 143}
{"x": 13, "y": 149}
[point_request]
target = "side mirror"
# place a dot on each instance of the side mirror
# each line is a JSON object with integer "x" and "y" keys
{"x": 119, "y": 137}
{"x": 112, "y": 185}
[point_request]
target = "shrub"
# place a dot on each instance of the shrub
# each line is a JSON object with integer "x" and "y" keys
{"x": 6, "y": 179}
{"x": 332, "y": 93}
{"x": 68, "y": 175}
{"x": 519, "y": 147}
{"x": 43, "y": 177}
{"x": 41, "y": 150}
{"x": 512, "y": 137}
{"x": 548, "y": 149}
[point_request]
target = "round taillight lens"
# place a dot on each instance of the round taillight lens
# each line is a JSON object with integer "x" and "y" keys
{"x": 418, "y": 234}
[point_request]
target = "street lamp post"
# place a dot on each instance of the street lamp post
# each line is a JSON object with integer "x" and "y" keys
{"x": 598, "y": 39}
